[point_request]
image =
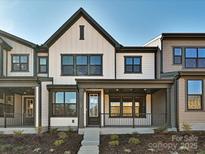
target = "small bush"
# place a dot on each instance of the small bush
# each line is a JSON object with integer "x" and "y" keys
{"x": 70, "y": 131}
{"x": 58, "y": 142}
{"x": 62, "y": 135}
{"x": 53, "y": 131}
{"x": 161, "y": 128}
{"x": 6, "y": 147}
{"x": 114, "y": 143}
{"x": 186, "y": 127}
{"x": 18, "y": 133}
{"x": 134, "y": 140}
{"x": 114, "y": 137}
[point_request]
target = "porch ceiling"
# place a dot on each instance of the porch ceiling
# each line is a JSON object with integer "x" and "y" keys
{"x": 19, "y": 90}
{"x": 124, "y": 84}
{"x": 130, "y": 90}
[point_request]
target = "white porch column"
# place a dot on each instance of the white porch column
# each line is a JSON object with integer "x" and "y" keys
{"x": 102, "y": 108}
{"x": 37, "y": 106}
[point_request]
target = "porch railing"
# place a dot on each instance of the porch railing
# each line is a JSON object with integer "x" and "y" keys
{"x": 140, "y": 120}
{"x": 16, "y": 120}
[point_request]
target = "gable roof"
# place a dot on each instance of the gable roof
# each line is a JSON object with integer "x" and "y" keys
{"x": 5, "y": 45}
{"x": 17, "y": 39}
{"x": 72, "y": 20}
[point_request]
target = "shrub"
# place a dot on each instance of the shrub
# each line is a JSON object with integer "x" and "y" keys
{"x": 18, "y": 133}
{"x": 62, "y": 135}
{"x": 134, "y": 140}
{"x": 58, "y": 142}
{"x": 114, "y": 143}
{"x": 39, "y": 130}
{"x": 161, "y": 128}
{"x": 6, "y": 147}
{"x": 53, "y": 131}
{"x": 186, "y": 127}
{"x": 114, "y": 137}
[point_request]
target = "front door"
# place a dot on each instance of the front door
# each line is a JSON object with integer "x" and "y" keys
{"x": 93, "y": 109}
{"x": 28, "y": 111}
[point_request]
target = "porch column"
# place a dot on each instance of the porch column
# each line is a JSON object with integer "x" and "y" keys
{"x": 37, "y": 106}
{"x": 173, "y": 105}
{"x": 81, "y": 108}
{"x": 168, "y": 106}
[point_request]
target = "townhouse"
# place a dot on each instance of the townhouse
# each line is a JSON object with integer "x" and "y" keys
{"x": 82, "y": 77}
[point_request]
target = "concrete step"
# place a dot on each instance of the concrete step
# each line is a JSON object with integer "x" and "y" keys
{"x": 88, "y": 143}
{"x": 89, "y": 150}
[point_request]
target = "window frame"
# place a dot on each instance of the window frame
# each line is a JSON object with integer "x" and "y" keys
{"x": 5, "y": 104}
{"x": 133, "y": 72}
{"x": 12, "y": 64}
{"x": 64, "y": 103}
{"x": 75, "y": 64}
{"x": 39, "y": 65}
{"x": 141, "y": 115}
{"x": 174, "y": 56}
{"x": 196, "y": 59}
{"x": 201, "y": 95}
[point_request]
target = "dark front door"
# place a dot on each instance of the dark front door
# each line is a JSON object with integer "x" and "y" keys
{"x": 93, "y": 109}
{"x": 28, "y": 115}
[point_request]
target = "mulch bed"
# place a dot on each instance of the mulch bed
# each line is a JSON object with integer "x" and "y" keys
{"x": 160, "y": 143}
{"x": 44, "y": 144}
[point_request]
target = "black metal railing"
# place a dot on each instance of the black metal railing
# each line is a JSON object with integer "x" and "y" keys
{"x": 139, "y": 120}
{"x": 16, "y": 120}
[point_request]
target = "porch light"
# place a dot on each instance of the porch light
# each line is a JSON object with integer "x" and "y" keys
{"x": 31, "y": 106}
{"x": 117, "y": 89}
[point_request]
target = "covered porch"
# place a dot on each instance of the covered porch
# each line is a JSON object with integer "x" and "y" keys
{"x": 126, "y": 103}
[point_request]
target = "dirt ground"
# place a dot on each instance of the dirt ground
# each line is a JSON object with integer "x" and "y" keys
{"x": 160, "y": 143}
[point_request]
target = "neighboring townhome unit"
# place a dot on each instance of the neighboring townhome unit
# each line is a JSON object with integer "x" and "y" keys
{"x": 82, "y": 77}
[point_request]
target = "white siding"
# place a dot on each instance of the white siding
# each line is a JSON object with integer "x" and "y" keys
{"x": 18, "y": 48}
{"x": 148, "y": 66}
{"x": 64, "y": 122}
{"x": 69, "y": 43}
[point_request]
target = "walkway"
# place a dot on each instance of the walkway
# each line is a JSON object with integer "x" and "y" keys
{"x": 91, "y": 141}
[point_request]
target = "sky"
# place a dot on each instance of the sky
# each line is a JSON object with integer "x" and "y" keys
{"x": 130, "y": 22}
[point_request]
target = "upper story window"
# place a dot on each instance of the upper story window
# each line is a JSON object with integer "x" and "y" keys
{"x": 81, "y": 32}
{"x": 20, "y": 63}
{"x": 64, "y": 104}
{"x": 43, "y": 65}
{"x": 133, "y": 64}
{"x": 194, "y": 94}
{"x": 195, "y": 57}
{"x": 81, "y": 65}
{"x": 177, "y": 53}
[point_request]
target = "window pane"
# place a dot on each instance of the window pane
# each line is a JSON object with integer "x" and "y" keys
{"x": 137, "y": 60}
{"x": 70, "y": 97}
{"x": 128, "y": 61}
{"x": 137, "y": 109}
{"x": 70, "y": 109}
{"x": 194, "y": 87}
{"x": 24, "y": 67}
{"x": 128, "y": 68}
{"x": 115, "y": 106}
{"x": 43, "y": 69}
{"x": 201, "y": 52}
{"x": 177, "y": 51}
{"x": 24, "y": 59}
{"x": 95, "y": 60}
{"x": 16, "y": 67}
{"x": 191, "y": 52}
{"x": 194, "y": 102}
{"x": 67, "y": 70}
{"x": 95, "y": 70}
{"x": 81, "y": 60}
{"x": 58, "y": 109}
{"x": 177, "y": 60}
{"x": 59, "y": 97}
{"x": 16, "y": 59}
{"x": 43, "y": 61}
{"x": 67, "y": 60}
{"x": 201, "y": 63}
{"x": 82, "y": 70}
{"x": 136, "y": 68}
{"x": 190, "y": 63}
{"x": 127, "y": 106}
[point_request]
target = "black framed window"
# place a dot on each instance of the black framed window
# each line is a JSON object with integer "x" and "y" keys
{"x": 81, "y": 65}
{"x": 133, "y": 64}
{"x": 177, "y": 55}
{"x": 64, "y": 104}
{"x": 43, "y": 65}
{"x": 195, "y": 57}
{"x": 127, "y": 106}
{"x": 20, "y": 63}
{"x": 67, "y": 66}
{"x": 81, "y": 32}
{"x": 194, "y": 94}
{"x": 6, "y": 104}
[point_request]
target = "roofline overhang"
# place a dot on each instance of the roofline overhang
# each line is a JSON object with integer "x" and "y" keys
{"x": 183, "y": 36}
{"x": 137, "y": 49}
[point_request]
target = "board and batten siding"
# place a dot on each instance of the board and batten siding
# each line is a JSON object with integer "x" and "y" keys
{"x": 168, "y": 45}
{"x": 69, "y": 43}
{"x": 148, "y": 66}
{"x": 196, "y": 119}
{"x": 17, "y": 48}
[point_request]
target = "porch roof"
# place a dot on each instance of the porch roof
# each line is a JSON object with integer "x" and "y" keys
{"x": 119, "y": 83}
